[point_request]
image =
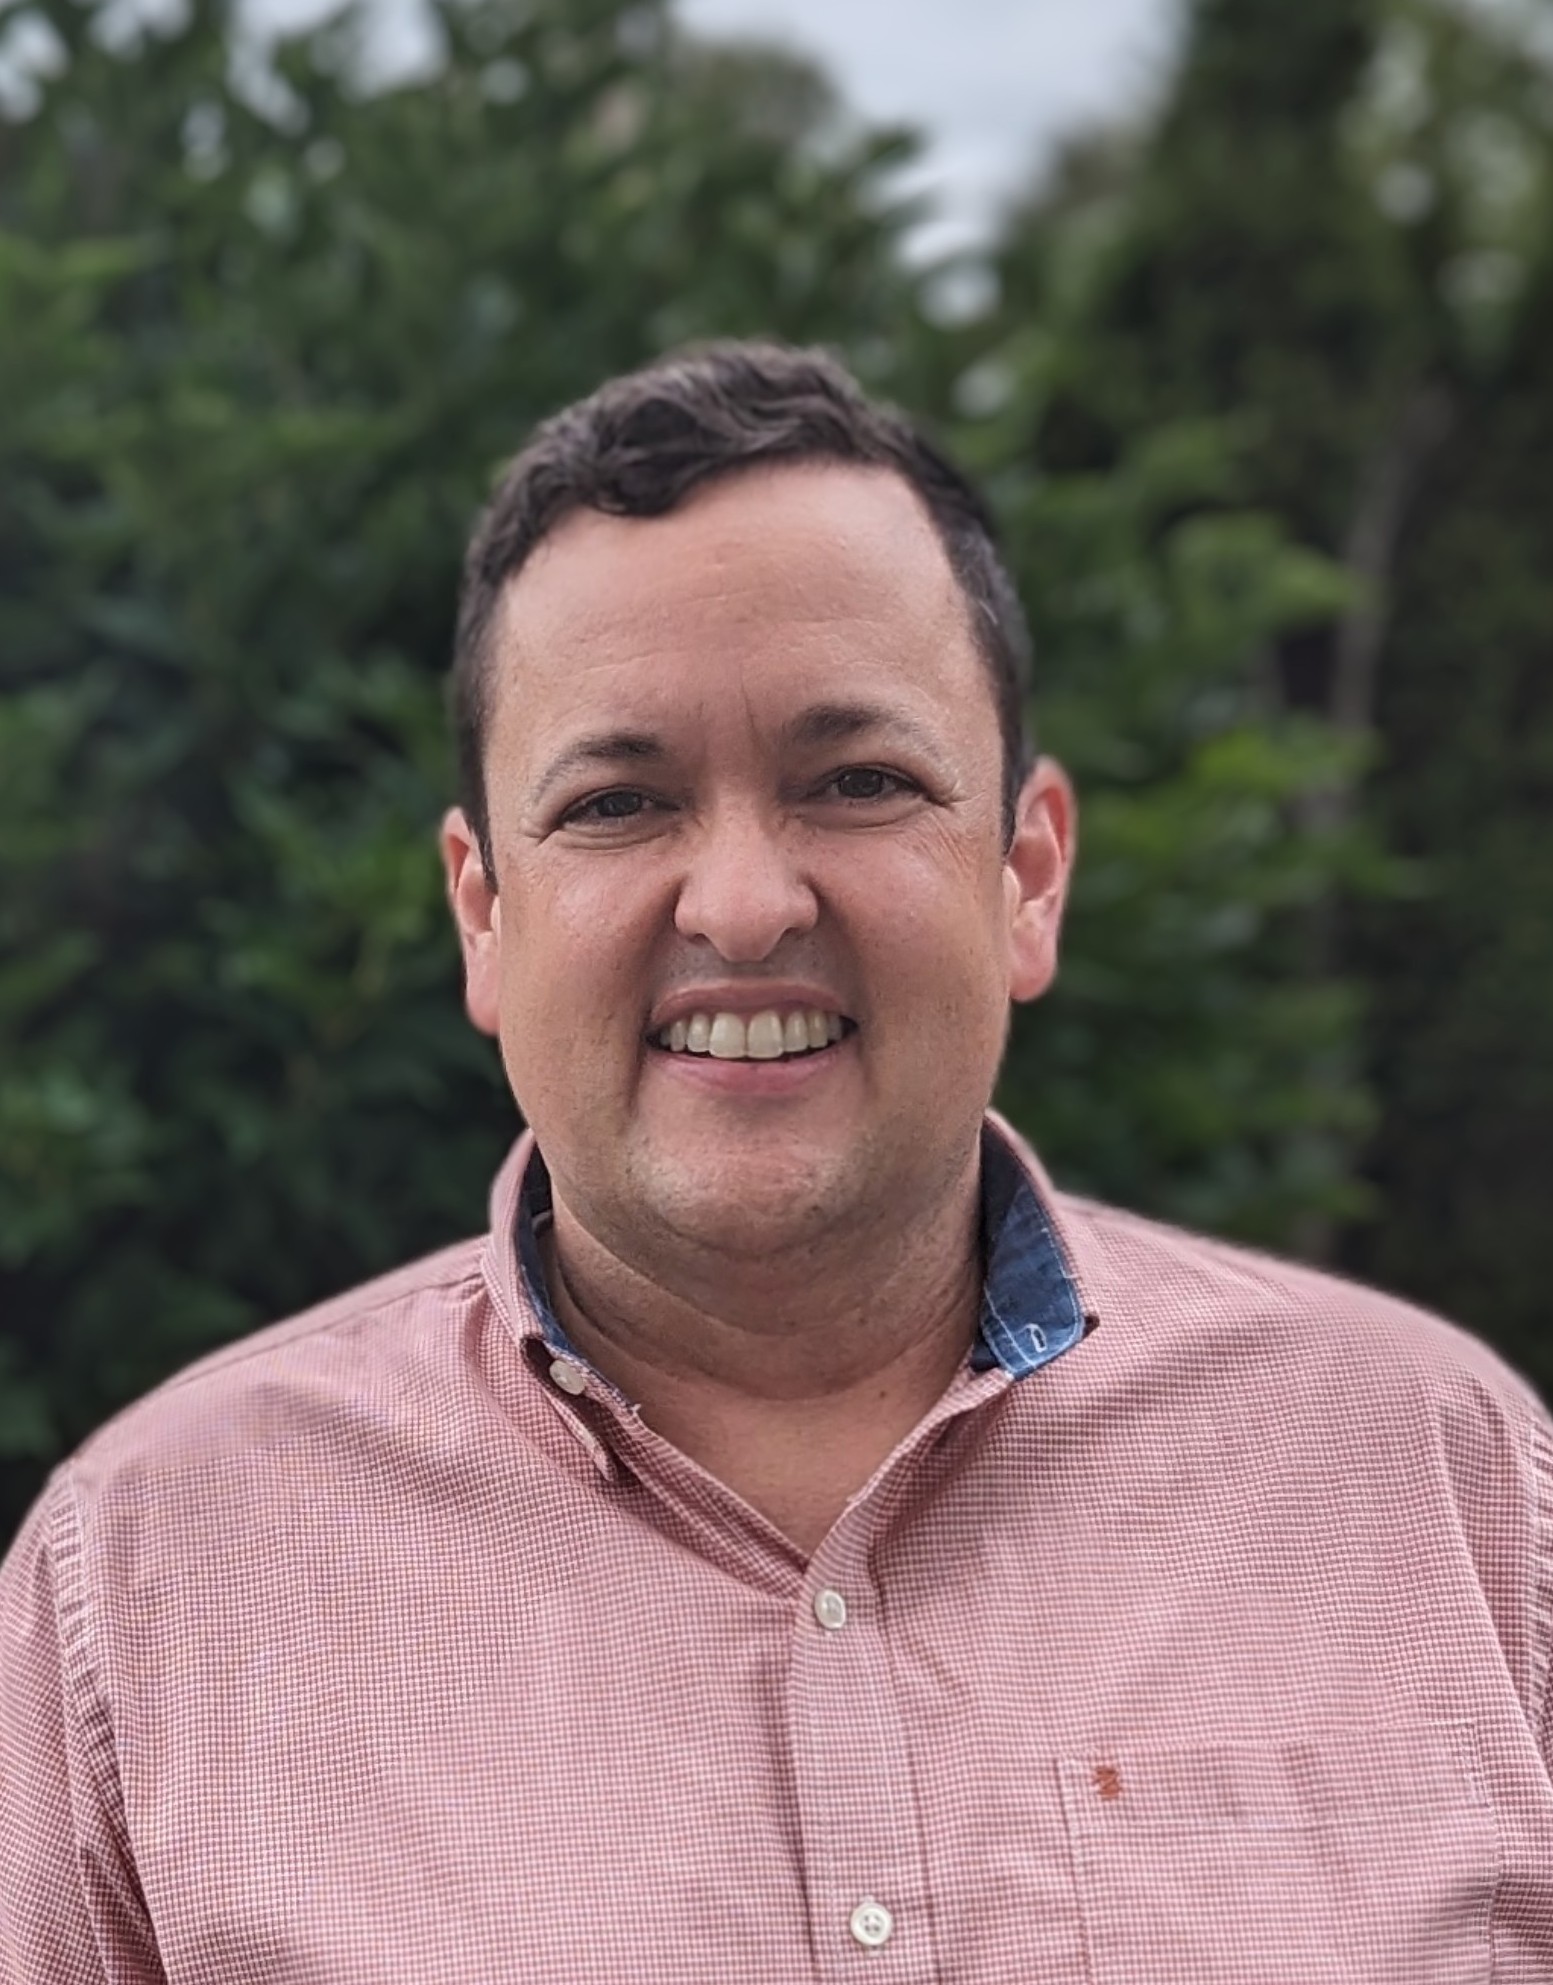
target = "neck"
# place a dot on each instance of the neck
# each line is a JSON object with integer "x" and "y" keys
{"x": 790, "y": 1387}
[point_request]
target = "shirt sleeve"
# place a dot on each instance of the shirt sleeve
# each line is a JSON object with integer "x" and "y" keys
{"x": 71, "y": 1911}
{"x": 1542, "y": 1598}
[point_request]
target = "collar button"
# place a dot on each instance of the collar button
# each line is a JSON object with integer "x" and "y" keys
{"x": 568, "y": 1377}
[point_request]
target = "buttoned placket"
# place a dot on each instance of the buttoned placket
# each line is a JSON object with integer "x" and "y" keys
{"x": 862, "y": 1847}
{"x": 864, "y": 1852}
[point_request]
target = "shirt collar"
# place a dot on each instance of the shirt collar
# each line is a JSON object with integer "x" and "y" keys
{"x": 1031, "y": 1307}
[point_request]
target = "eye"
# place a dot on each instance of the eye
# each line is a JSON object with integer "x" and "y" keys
{"x": 619, "y": 803}
{"x": 870, "y": 782}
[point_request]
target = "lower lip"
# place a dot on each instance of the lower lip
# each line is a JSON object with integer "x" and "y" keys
{"x": 753, "y": 1078}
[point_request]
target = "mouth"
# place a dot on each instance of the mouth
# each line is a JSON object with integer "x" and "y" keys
{"x": 789, "y": 1034}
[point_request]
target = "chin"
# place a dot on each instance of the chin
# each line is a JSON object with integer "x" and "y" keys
{"x": 733, "y": 1213}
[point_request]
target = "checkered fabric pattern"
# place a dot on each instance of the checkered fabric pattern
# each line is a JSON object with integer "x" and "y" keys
{"x": 376, "y": 1648}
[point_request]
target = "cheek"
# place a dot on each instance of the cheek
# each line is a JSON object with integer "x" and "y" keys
{"x": 572, "y": 964}
{"x": 937, "y": 967}
{"x": 942, "y": 919}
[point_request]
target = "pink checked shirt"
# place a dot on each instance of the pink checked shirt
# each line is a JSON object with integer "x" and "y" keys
{"x": 390, "y": 1645}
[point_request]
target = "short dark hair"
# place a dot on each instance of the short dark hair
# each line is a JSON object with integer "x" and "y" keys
{"x": 642, "y": 442}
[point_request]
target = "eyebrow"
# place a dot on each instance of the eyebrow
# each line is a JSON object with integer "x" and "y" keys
{"x": 821, "y": 723}
{"x": 838, "y": 723}
{"x": 606, "y": 748}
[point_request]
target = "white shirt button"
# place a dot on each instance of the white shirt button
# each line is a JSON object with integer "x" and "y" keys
{"x": 569, "y": 1377}
{"x": 830, "y": 1609}
{"x": 872, "y": 1925}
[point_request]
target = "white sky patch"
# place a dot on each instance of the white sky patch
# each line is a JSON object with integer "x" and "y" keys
{"x": 994, "y": 85}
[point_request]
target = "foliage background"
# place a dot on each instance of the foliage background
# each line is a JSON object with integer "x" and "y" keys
{"x": 1263, "y": 393}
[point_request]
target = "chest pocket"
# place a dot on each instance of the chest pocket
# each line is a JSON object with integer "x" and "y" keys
{"x": 1356, "y": 1857}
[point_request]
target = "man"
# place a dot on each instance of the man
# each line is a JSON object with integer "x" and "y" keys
{"x": 797, "y": 1542}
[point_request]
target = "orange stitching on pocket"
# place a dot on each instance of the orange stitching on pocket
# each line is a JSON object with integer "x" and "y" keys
{"x": 1108, "y": 1781}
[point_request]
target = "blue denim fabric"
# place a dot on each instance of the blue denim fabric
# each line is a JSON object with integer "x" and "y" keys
{"x": 1030, "y": 1307}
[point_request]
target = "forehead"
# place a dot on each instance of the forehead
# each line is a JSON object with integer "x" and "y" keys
{"x": 768, "y": 575}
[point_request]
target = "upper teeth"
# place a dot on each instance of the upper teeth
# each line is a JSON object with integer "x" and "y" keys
{"x": 756, "y": 1037}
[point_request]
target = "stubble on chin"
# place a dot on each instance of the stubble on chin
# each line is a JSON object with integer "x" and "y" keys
{"x": 757, "y": 1210}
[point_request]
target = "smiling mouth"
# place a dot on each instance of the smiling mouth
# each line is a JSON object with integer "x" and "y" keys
{"x": 796, "y": 1035}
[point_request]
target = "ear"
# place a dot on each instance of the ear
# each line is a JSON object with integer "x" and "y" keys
{"x": 1035, "y": 877}
{"x": 477, "y": 914}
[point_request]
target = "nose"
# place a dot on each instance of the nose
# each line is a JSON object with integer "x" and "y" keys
{"x": 742, "y": 891}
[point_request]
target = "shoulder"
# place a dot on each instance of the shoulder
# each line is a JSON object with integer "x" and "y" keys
{"x": 375, "y": 1341}
{"x": 1163, "y": 1298}
{"x": 1296, "y": 1348}
{"x": 1184, "y": 1281}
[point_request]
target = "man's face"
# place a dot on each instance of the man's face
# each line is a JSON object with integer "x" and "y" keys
{"x": 744, "y": 761}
